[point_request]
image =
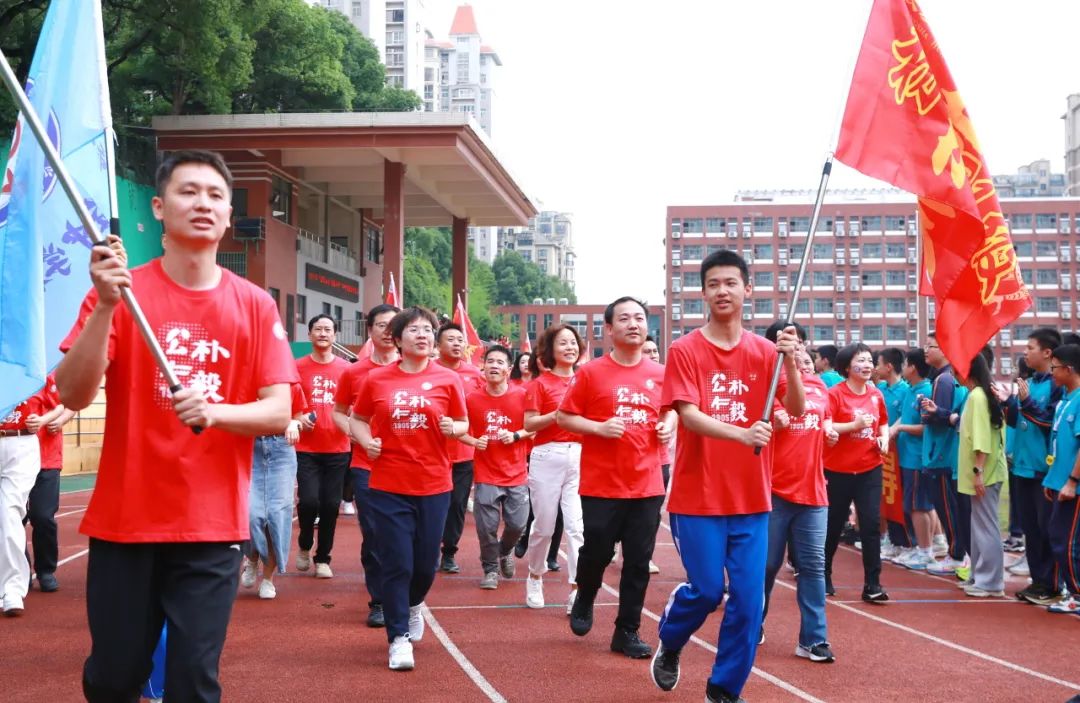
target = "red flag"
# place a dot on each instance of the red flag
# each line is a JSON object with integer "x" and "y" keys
{"x": 391, "y": 299}
{"x": 526, "y": 345}
{"x": 906, "y": 124}
{"x": 474, "y": 349}
{"x": 391, "y": 293}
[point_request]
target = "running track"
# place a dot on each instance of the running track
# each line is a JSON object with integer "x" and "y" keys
{"x": 929, "y": 644}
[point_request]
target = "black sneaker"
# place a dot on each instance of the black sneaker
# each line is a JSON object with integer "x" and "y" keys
{"x": 665, "y": 668}
{"x": 1014, "y": 545}
{"x": 829, "y": 590}
{"x": 553, "y": 565}
{"x": 874, "y": 594}
{"x": 521, "y": 547}
{"x": 715, "y": 694}
{"x": 761, "y": 637}
{"x": 581, "y": 615}
{"x": 375, "y": 616}
{"x": 47, "y": 583}
{"x": 626, "y": 642}
{"x": 820, "y": 652}
{"x": 849, "y": 535}
{"x": 448, "y": 565}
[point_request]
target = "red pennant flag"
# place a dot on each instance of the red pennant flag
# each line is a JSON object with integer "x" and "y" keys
{"x": 906, "y": 124}
{"x": 474, "y": 348}
{"x": 526, "y": 345}
{"x": 391, "y": 293}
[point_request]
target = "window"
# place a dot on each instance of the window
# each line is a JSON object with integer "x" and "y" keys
{"x": 1046, "y": 249}
{"x": 694, "y": 252}
{"x": 301, "y": 308}
{"x": 463, "y": 67}
{"x": 1022, "y": 248}
{"x": 530, "y": 324}
{"x": 240, "y": 202}
{"x": 824, "y": 224}
{"x": 895, "y": 278}
{"x": 895, "y": 333}
{"x": 395, "y": 16}
{"x": 373, "y": 245}
{"x": 894, "y": 222}
{"x": 763, "y": 251}
{"x": 1044, "y": 277}
{"x": 763, "y": 306}
{"x": 823, "y": 251}
{"x": 800, "y": 224}
{"x": 895, "y": 304}
{"x": 871, "y": 251}
{"x": 694, "y": 306}
{"x": 763, "y": 278}
{"x": 823, "y": 333}
{"x": 695, "y": 226}
{"x": 714, "y": 224}
{"x": 895, "y": 251}
{"x": 871, "y": 305}
{"x": 823, "y": 306}
{"x": 598, "y": 330}
{"x": 395, "y": 57}
{"x": 1019, "y": 222}
{"x": 1021, "y": 331}
{"x": 763, "y": 224}
{"x": 338, "y": 312}
{"x": 872, "y": 278}
{"x": 872, "y": 224}
{"x": 281, "y": 200}
{"x": 276, "y": 295}
{"x": 326, "y": 309}
{"x": 797, "y": 250}
{"x": 1045, "y": 221}
{"x": 356, "y": 10}
{"x": 1048, "y": 305}
{"x": 872, "y": 332}
{"x": 823, "y": 278}
{"x": 549, "y": 319}
{"x": 803, "y": 308}
{"x": 692, "y": 279}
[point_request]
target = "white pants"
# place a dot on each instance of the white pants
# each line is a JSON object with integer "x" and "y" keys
{"x": 20, "y": 462}
{"x": 554, "y": 474}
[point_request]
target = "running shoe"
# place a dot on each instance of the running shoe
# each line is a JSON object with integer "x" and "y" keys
{"x": 267, "y": 590}
{"x": 940, "y": 546}
{"x": 581, "y": 617}
{"x": 1020, "y": 568}
{"x": 761, "y": 636}
{"x": 534, "y": 592}
{"x": 401, "y": 654}
{"x": 715, "y": 694}
{"x": 889, "y": 551}
{"x": 448, "y": 565}
{"x": 348, "y": 507}
{"x": 945, "y": 567}
{"x": 303, "y": 560}
{"x": 904, "y": 554}
{"x": 630, "y": 644}
{"x": 323, "y": 571}
{"x": 416, "y": 622}
{"x": 653, "y": 568}
{"x": 507, "y": 566}
{"x": 1066, "y": 605}
{"x": 490, "y": 581}
{"x": 665, "y": 668}
{"x": 820, "y": 652}
{"x": 963, "y": 573}
{"x": 874, "y": 594}
{"x": 976, "y": 592}
{"x": 250, "y": 573}
{"x": 918, "y": 561}
{"x": 1014, "y": 545}
{"x": 1045, "y": 598}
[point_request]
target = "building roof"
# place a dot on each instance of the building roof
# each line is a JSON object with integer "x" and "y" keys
{"x": 464, "y": 21}
{"x": 439, "y": 44}
{"x": 451, "y": 169}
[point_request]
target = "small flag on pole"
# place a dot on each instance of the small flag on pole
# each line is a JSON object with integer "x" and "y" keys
{"x": 44, "y": 249}
{"x": 474, "y": 348}
{"x": 391, "y": 293}
{"x": 526, "y": 345}
{"x": 906, "y": 124}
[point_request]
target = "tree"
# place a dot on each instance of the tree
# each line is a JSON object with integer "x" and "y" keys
{"x": 423, "y": 285}
{"x": 518, "y": 281}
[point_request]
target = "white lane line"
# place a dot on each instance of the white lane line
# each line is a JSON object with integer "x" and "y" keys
{"x": 467, "y": 666}
{"x": 947, "y": 643}
{"x": 505, "y": 607}
{"x": 73, "y": 557}
{"x": 80, "y": 509}
{"x": 776, "y": 681}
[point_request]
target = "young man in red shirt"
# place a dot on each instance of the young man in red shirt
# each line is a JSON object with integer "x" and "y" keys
{"x": 169, "y": 511}
{"x": 45, "y": 495}
{"x": 717, "y": 379}
{"x": 498, "y": 436}
{"x": 383, "y": 353}
{"x": 614, "y": 404}
{"x": 452, "y": 355}
{"x": 323, "y": 452}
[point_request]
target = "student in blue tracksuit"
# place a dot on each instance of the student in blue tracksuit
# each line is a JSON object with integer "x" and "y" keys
{"x": 1063, "y": 476}
{"x": 940, "y": 415}
{"x": 890, "y": 363}
{"x": 1030, "y": 412}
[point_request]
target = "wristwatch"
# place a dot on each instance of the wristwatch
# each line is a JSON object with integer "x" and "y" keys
{"x": 976, "y": 470}
{"x": 517, "y": 437}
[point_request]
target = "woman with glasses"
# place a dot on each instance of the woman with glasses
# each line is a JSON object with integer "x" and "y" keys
{"x": 403, "y": 416}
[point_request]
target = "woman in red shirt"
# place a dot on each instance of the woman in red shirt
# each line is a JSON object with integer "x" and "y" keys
{"x": 521, "y": 374}
{"x": 853, "y": 464}
{"x": 555, "y": 461}
{"x": 403, "y": 415}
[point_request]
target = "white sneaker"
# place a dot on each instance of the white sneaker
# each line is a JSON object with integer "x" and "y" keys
{"x": 570, "y": 601}
{"x": 267, "y": 590}
{"x": 348, "y": 508}
{"x": 303, "y": 560}
{"x": 917, "y": 561}
{"x": 904, "y": 554}
{"x": 945, "y": 567}
{"x": 13, "y": 605}
{"x": 889, "y": 552}
{"x": 653, "y": 568}
{"x": 940, "y": 546}
{"x": 416, "y": 623}
{"x": 401, "y": 654}
{"x": 250, "y": 572}
{"x": 322, "y": 571}
{"x": 534, "y": 592}
{"x": 1020, "y": 568}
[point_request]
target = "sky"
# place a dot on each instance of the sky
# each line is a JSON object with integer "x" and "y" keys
{"x": 613, "y": 110}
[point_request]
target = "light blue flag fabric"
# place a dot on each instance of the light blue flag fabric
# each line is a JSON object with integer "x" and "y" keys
{"x": 44, "y": 250}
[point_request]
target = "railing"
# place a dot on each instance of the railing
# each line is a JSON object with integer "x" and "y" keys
{"x": 312, "y": 246}
{"x": 351, "y": 332}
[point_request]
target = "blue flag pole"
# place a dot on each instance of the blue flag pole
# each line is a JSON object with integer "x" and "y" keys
{"x": 66, "y": 182}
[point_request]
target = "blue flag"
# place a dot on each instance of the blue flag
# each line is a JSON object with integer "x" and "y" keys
{"x": 44, "y": 250}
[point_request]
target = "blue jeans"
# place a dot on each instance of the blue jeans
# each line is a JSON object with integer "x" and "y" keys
{"x": 803, "y": 527}
{"x": 273, "y": 473}
{"x": 709, "y": 545}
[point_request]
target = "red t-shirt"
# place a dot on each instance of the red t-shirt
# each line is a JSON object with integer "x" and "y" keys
{"x": 299, "y": 400}
{"x": 404, "y": 411}
{"x": 856, "y": 452}
{"x": 713, "y": 476}
{"x": 500, "y": 464}
{"x": 158, "y": 482}
{"x": 797, "y": 475}
{"x": 543, "y": 395}
{"x": 628, "y": 467}
{"x": 52, "y": 445}
{"x": 37, "y": 404}
{"x": 320, "y": 383}
{"x": 347, "y": 392}
{"x": 472, "y": 379}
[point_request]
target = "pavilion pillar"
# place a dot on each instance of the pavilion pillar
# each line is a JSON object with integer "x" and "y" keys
{"x": 460, "y": 276}
{"x": 394, "y": 227}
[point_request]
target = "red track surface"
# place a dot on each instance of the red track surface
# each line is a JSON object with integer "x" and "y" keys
{"x": 929, "y": 644}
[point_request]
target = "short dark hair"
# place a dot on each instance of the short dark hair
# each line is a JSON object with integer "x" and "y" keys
{"x": 1069, "y": 354}
{"x": 380, "y": 309}
{"x": 649, "y": 338}
{"x": 447, "y": 327}
{"x": 189, "y": 156}
{"x": 725, "y": 257}
{"x": 609, "y": 311}
{"x": 917, "y": 359}
{"x": 845, "y": 356}
{"x": 545, "y": 345}
{"x": 321, "y": 316}
{"x": 1070, "y": 338}
{"x": 502, "y": 350}
{"x": 893, "y": 357}
{"x": 777, "y": 327}
{"x": 828, "y": 352}
{"x": 409, "y": 315}
{"x": 1046, "y": 337}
